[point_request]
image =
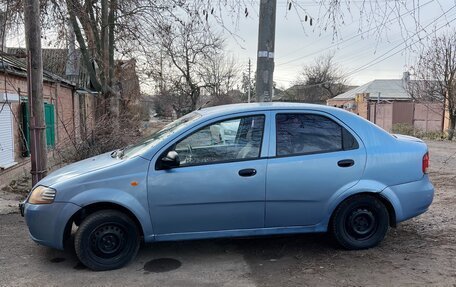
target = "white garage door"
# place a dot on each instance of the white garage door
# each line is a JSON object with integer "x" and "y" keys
{"x": 6, "y": 137}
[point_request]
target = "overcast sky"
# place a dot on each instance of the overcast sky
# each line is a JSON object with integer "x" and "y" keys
{"x": 356, "y": 45}
{"x": 359, "y": 52}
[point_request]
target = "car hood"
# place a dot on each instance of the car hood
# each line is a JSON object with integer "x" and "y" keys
{"x": 79, "y": 168}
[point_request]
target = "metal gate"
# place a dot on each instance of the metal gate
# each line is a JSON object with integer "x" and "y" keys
{"x": 403, "y": 113}
{"x": 6, "y": 136}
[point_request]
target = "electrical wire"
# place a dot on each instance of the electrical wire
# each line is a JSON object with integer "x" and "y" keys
{"x": 348, "y": 39}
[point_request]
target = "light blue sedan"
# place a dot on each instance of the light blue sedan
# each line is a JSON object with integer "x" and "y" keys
{"x": 235, "y": 170}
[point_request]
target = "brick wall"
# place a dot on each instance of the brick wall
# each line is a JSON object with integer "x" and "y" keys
{"x": 67, "y": 117}
{"x": 66, "y": 108}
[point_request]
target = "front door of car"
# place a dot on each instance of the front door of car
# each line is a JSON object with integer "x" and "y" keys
{"x": 314, "y": 158}
{"x": 220, "y": 181}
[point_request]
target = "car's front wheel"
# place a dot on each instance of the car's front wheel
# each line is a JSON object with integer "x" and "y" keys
{"x": 360, "y": 222}
{"x": 107, "y": 240}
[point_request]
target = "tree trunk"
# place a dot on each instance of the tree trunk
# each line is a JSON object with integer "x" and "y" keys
{"x": 452, "y": 126}
{"x": 115, "y": 100}
{"x": 82, "y": 46}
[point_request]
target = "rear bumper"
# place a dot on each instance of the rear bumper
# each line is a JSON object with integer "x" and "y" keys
{"x": 46, "y": 222}
{"x": 410, "y": 199}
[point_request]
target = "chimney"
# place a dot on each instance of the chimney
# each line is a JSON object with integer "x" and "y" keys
{"x": 2, "y": 31}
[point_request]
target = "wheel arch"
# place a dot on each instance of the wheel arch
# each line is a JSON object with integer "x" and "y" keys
{"x": 389, "y": 207}
{"x": 85, "y": 211}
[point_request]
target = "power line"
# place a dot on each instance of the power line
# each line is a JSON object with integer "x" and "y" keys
{"x": 378, "y": 60}
{"x": 350, "y": 38}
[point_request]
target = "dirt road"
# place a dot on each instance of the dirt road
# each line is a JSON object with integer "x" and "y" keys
{"x": 419, "y": 252}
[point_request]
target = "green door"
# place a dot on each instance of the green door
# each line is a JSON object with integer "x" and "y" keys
{"x": 50, "y": 124}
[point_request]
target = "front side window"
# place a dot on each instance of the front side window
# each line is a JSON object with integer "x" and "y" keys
{"x": 310, "y": 133}
{"x": 226, "y": 140}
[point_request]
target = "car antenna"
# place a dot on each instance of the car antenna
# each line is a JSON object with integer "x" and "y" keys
{"x": 204, "y": 105}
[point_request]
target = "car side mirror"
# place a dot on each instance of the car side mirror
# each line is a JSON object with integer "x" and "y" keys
{"x": 171, "y": 160}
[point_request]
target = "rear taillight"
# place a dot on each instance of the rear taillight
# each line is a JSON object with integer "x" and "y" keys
{"x": 426, "y": 163}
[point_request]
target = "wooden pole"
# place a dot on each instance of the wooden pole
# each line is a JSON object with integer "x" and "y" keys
{"x": 35, "y": 90}
{"x": 265, "y": 54}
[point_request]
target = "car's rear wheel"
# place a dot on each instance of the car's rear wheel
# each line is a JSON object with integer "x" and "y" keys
{"x": 107, "y": 240}
{"x": 360, "y": 222}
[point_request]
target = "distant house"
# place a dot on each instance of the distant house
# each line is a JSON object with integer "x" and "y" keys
{"x": 312, "y": 94}
{"x": 68, "y": 112}
{"x": 388, "y": 103}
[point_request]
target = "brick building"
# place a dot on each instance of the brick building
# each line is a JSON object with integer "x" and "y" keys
{"x": 69, "y": 112}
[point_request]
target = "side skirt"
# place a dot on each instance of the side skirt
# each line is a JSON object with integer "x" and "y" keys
{"x": 237, "y": 233}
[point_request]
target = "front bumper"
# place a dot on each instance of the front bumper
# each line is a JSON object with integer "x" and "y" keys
{"x": 47, "y": 222}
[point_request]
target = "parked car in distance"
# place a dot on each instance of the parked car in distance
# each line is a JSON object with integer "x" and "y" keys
{"x": 278, "y": 168}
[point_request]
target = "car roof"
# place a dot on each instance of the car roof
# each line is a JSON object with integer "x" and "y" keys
{"x": 370, "y": 133}
{"x": 244, "y": 107}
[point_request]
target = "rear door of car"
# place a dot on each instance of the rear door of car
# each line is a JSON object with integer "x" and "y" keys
{"x": 313, "y": 158}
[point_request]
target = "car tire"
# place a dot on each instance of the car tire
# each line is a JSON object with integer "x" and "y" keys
{"x": 107, "y": 240}
{"x": 360, "y": 222}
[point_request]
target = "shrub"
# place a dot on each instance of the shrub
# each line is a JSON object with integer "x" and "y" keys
{"x": 403, "y": 129}
{"x": 104, "y": 137}
{"x": 433, "y": 135}
{"x": 406, "y": 129}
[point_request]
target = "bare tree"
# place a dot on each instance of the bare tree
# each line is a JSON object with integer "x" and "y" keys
{"x": 102, "y": 29}
{"x": 318, "y": 82}
{"x": 220, "y": 75}
{"x": 189, "y": 48}
{"x": 435, "y": 74}
{"x": 326, "y": 74}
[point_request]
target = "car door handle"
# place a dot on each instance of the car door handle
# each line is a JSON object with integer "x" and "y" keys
{"x": 345, "y": 162}
{"x": 247, "y": 172}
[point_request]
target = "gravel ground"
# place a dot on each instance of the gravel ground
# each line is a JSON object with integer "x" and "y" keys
{"x": 419, "y": 252}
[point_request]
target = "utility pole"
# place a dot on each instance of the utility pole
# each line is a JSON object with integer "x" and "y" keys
{"x": 250, "y": 82}
{"x": 2, "y": 31}
{"x": 265, "y": 56}
{"x": 35, "y": 90}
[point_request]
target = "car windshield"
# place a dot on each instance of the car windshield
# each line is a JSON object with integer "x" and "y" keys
{"x": 160, "y": 135}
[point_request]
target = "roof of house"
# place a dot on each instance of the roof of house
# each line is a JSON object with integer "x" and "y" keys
{"x": 54, "y": 60}
{"x": 18, "y": 66}
{"x": 388, "y": 89}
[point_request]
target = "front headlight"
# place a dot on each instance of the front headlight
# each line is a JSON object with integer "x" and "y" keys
{"x": 42, "y": 195}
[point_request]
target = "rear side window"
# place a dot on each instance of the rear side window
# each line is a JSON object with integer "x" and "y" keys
{"x": 310, "y": 133}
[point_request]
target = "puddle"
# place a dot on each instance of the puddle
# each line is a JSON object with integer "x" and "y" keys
{"x": 162, "y": 265}
{"x": 57, "y": 260}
